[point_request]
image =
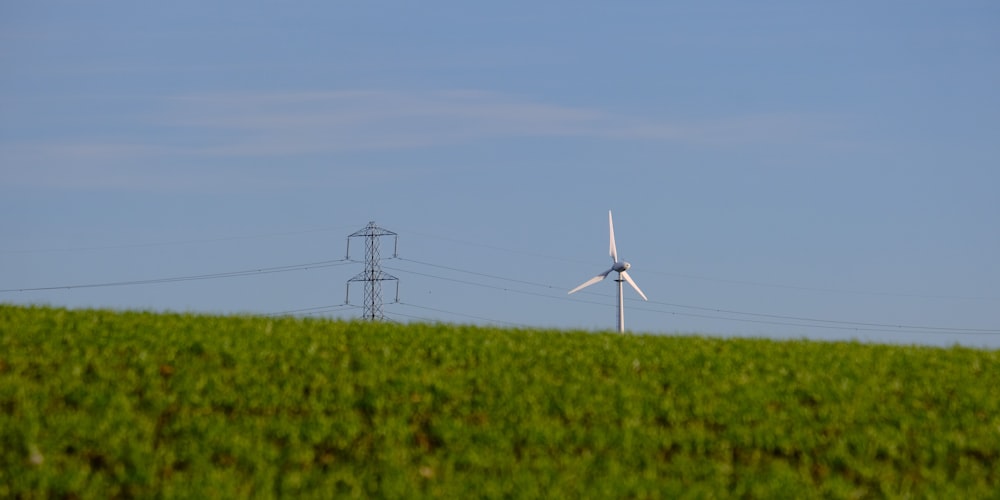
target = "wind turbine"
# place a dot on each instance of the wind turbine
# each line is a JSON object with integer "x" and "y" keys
{"x": 622, "y": 268}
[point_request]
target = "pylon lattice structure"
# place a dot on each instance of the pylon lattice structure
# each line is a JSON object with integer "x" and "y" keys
{"x": 372, "y": 276}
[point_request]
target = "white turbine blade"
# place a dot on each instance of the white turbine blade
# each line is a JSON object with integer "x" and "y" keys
{"x": 629, "y": 279}
{"x": 591, "y": 281}
{"x": 611, "y": 228}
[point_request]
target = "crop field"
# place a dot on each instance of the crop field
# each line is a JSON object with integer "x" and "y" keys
{"x": 101, "y": 404}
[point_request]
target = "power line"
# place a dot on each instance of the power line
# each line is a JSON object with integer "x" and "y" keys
{"x": 493, "y": 247}
{"x": 411, "y": 316}
{"x": 170, "y": 243}
{"x": 724, "y": 280}
{"x": 156, "y": 281}
{"x": 313, "y": 310}
{"x": 482, "y": 285}
{"x": 752, "y": 317}
{"x": 335, "y": 307}
{"x": 819, "y": 289}
{"x": 824, "y": 323}
{"x": 480, "y": 274}
{"x": 887, "y": 329}
{"x": 462, "y": 314}
{"x": 930, "y": 329}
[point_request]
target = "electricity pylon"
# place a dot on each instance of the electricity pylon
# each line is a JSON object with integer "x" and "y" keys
{"x": 373, "y": 276}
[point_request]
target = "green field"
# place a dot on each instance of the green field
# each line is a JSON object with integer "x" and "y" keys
{"x": 100, "y": 404}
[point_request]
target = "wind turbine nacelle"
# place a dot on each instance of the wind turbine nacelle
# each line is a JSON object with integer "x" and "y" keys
{"x": 621, "y": 266}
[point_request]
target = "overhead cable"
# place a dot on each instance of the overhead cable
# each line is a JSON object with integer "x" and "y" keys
{"x": 803, "y": 322}
{"x": 723, "y": 280}
{"x": 231, "y": 274}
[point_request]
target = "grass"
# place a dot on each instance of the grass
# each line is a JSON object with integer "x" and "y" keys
{"x": 102, "y": 404}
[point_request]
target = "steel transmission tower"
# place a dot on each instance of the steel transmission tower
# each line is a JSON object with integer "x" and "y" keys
{"x": 373, "y": 276}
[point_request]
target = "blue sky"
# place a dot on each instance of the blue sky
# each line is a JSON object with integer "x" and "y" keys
{"x": 776, "y": 169}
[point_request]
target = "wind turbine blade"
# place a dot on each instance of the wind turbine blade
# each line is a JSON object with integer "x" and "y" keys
{"x": 611, "y": 228}
{"x": 629, "y": 279}
{"x": 591, "y": 281}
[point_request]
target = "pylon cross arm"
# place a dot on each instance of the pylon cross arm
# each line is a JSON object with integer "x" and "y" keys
{"x": 376, "y": 276}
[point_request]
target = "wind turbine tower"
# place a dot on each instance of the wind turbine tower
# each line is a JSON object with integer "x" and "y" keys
{"x": 619, "y": 266}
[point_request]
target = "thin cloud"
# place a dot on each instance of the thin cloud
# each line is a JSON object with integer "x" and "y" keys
{"x": 191, "y": 141}
{"x": 768, "y": 129}
{"x": 289, "y": 123}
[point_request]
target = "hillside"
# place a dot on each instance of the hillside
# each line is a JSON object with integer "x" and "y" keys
{"x": 99, "y": 404}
